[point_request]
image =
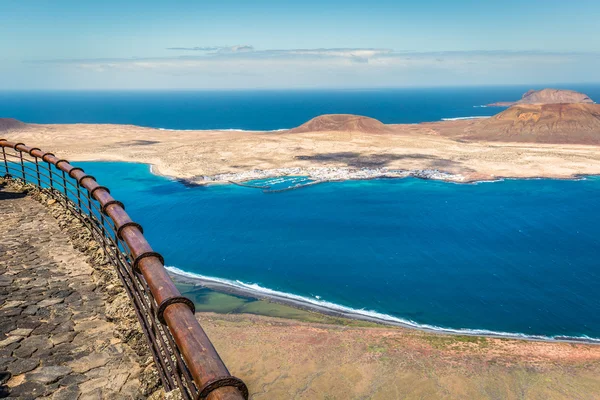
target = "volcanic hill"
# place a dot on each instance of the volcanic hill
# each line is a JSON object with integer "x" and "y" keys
{"x": 342, "y": 123}
{"x": 575, "y": 123}
{"x": 9, "y": 124}
{"x": 548, "y": 96}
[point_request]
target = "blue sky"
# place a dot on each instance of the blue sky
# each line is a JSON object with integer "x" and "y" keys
{"x": 65, "y": 44}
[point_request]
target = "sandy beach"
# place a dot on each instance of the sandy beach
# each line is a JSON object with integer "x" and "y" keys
{"x": 427, "y": 150}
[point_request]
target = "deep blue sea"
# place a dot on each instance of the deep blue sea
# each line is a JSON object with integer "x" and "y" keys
{"x": 258, "y": 110}
{"x": 516, "y": 256}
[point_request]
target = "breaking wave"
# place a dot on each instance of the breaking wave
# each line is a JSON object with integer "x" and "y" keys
{"x": 255, "y": 290}
{"x": 461, "y": 118}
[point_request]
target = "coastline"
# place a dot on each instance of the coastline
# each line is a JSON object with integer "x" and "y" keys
{"x": 341, "y": 174}
{"x": 426, "y": 150}
{"x": 334, "y": 310}
{"x": 332, "y": 174}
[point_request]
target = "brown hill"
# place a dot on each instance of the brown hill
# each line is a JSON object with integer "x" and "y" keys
{"x": 342, "y": 123}
{"x": 540, "y": 123}
{"x": 549, "y": 96}
{"x": 10, "y": 124}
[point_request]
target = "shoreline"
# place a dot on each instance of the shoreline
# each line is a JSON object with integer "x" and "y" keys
{"x": 432, "y": 150}
{"x": 339, "y": 311}
{"x": 342, "y": 174}
{"x": 364, "y": 174}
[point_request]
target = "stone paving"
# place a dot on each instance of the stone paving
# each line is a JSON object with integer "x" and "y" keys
{"x": 56, "y": 339}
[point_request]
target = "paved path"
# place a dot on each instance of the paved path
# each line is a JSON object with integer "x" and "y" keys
{"x": 55, "y": 339}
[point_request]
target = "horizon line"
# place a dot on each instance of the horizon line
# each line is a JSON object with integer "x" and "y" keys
{"x": 258, "y": 89}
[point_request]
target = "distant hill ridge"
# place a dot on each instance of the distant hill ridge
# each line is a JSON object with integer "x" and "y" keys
{"x": 574, "y": 123}
{"x": 9, "y": 124}
{"x": 548, "y": 96}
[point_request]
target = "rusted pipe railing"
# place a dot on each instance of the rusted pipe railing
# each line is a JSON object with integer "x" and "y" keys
{"x": 183, "y": 353}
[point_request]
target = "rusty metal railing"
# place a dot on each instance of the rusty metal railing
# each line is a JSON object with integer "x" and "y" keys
{"x": 183, "y": 354}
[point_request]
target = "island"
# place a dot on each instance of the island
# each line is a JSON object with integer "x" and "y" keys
{"x": 558, "y": 140}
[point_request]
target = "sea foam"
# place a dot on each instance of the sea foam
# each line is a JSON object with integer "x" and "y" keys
{"x": 462, "y": 118}
{"x": 370, "y": 315}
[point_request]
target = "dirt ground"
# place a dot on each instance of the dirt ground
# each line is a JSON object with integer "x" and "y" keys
{"x": 284, "y": 359}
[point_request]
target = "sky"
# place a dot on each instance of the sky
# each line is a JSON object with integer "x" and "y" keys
{"x": 269, "y": 44}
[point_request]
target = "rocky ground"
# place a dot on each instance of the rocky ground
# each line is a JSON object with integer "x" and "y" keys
{"x": 66, "y": 328}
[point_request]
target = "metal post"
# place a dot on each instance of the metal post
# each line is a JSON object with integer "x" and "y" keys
{"x": 37, "y": 169}
{"x": 65, "y": 189}
{"x": 5, "y": 162}
{"x": 50, "y": 175}
{"x": 22, "y": 165}
{"x": 79, "y": 196}
{"x": 102, "y": 226}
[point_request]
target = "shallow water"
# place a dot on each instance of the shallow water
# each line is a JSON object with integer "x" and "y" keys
{"x": 517, "y": 256}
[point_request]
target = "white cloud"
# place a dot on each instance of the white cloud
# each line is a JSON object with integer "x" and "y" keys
{"x": 246, "y": 67}
{"x": 216, "y": 49}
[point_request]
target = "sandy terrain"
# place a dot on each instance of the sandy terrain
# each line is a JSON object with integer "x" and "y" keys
{"x": 192, "y": 155}
{"x": 282, "y": 359}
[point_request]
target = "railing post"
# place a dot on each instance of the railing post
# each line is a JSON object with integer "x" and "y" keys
{"x": 5, "y": 161}
{"x": 79, "y": 196}
{"x": 65, "y": 189}
{"x": 50, "y": 175}
{"x": 37, "y": 170}
{"x": 22, "y": 165}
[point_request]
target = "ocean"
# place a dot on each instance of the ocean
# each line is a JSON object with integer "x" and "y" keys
{"x": 258, "y": 110}
{"x": 514, "y": 257}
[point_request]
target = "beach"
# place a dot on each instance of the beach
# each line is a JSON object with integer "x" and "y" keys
{"x": 338, "y": 311}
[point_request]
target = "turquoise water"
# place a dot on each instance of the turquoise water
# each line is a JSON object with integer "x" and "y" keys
{"x": 517, "y": 256}
{"x": 258, "y": 110}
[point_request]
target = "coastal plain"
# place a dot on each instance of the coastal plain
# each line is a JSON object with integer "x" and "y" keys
{"x": 221, "y": 156}
{"x": 284, "y": 359}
